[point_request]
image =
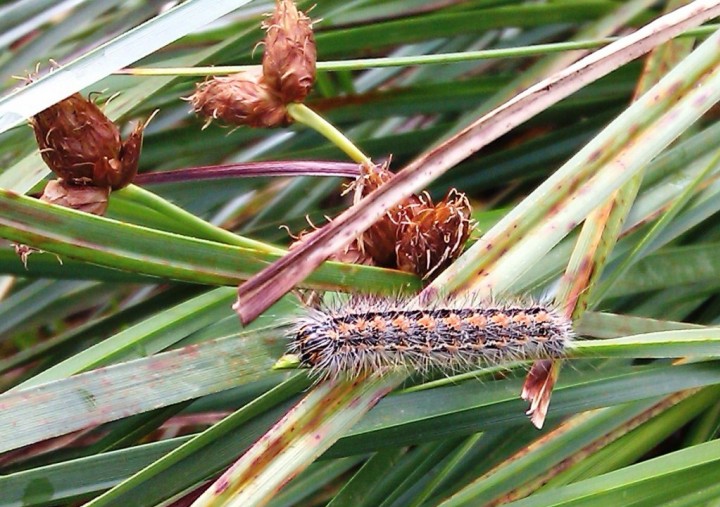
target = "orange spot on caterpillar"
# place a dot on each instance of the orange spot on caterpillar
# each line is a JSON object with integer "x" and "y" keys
{"x": 427, "y": 322}
{"x": 361, "y": 324}
{"x": 522, "y": 319}
{"x": 502, "y": 343}
{"x": 542, "y": 317}
{"x": 453, "y": 321}
{"x": 401, "y": 322}
{"x": 345, "y": 328}
{"x": 452, "y": 349}
{"x": 501, "y": 319}
{"x": 477, "y": 320}
{"x": 478, "y": 344}
{"x": 379, "y": 324}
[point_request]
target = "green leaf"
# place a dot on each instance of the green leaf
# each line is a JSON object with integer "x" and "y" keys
{"x": 155, "y": 253}
{"x": 675, "y": 475}
{"x": 110, "y": 393}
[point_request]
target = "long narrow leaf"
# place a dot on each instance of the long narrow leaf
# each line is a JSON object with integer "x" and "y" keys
{"x": 110, "y": 393}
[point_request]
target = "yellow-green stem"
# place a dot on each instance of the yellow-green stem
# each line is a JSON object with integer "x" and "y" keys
{"x": 303, "y": 114}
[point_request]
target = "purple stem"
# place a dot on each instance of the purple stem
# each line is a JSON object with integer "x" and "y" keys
{"x": 253, "y": 170}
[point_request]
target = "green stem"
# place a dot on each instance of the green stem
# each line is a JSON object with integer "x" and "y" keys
{"x": 303, "y": 114}
{"x": 203, "y": 229}
{"x": 405, "y": 61}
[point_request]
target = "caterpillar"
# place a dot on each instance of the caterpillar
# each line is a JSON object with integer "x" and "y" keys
{"x": 367, "y": 334}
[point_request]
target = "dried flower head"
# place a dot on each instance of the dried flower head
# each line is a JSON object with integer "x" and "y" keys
{"x": 434, "y": 237}
{"x": 290, "y": 53}
{"x": 240, "y": 99}
{"x": 82, "y": 146}
{"x": 380, "y": 239}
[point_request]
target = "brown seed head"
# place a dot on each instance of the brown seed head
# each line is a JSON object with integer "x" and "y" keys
{"x": 240, "y": 99}
{"x": 290, "y": 52}
{"x": 379, "y": 240}
{"x": 81, "y": 145}
{"x": 429, "y": 241}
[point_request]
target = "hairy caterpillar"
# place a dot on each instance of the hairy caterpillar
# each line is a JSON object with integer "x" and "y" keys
{"x": 366, "y": 335}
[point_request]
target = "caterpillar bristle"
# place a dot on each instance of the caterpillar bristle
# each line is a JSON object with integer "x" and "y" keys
{"x": 370, "y": 335}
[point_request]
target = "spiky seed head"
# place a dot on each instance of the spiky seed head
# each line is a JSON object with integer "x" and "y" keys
{"x": 380, "y": 239}
{"x": 290, "y": 53}
{"x": 434, "y": 237}
{"x": 83, "y": 146}
{"x": 240, "y": 99}
{"x": 75, "y": 138}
